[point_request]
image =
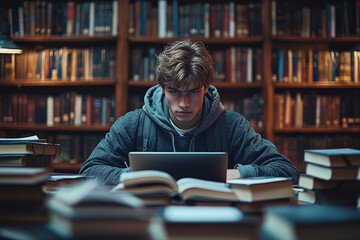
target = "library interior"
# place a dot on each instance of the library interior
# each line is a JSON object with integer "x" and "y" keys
{"x": 70, "y": 69}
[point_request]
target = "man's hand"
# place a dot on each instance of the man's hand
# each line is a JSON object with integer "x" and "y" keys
{"x": 232, "y": 174}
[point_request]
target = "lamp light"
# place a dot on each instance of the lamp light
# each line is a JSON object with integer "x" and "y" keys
{"x": 6, "y": 46}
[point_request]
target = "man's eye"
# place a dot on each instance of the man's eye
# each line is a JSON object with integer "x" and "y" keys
{"x": 174, "y": 92}
{"x": 194, "y": 92}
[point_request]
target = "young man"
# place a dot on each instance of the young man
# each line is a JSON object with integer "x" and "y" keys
{"x": 184, "y": 113}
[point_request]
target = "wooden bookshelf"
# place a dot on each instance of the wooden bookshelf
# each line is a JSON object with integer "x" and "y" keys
{"x": 123, "y": 86}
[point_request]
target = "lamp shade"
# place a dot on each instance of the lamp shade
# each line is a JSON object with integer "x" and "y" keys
{"x": 8, "y": 47}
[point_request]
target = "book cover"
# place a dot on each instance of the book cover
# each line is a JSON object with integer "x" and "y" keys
{"x": 337, "y": 157}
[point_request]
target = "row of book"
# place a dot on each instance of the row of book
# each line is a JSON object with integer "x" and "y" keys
{"x": 297, "y": 110}
{"x": 293, "y": 146}
{"x": 72, "y": 64}
{"x": 173, "y": 18}
{"x": 76, "y": 148}
{"x": 69, "y": 108}
{"x": 330, "y": 20}
{"x": 64, "y": 18}
{"x": 250, "y": 107}
{"x": 234, "y": 64}
{"x": 307, "y": 66}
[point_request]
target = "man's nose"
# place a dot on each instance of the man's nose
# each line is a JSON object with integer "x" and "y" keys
{"x": 184, "y": 100}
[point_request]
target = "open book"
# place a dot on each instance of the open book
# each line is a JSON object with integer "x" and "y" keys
{"x": 155, "y": 182}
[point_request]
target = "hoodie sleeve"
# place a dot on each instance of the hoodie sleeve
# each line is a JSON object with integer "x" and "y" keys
{"x": 107, "y": 161}
{"x": 253, "y": 155}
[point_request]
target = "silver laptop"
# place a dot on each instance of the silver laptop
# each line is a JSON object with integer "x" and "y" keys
{"x": 204, "y": 165}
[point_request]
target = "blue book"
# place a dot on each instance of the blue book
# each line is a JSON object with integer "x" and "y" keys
{"x": 281, "y": 61}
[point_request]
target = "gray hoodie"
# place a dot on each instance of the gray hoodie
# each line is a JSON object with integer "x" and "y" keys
{"x": 150, "y": 129}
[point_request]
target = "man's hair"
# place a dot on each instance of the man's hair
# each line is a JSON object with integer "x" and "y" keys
{"x": 184, "y": 62}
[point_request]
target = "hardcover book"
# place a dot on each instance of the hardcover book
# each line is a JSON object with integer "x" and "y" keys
{"x": 261, "y": 188}
{"x": 338, "y": 157}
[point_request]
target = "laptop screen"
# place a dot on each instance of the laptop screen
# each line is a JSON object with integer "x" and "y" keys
{"x": 203, "y": 165}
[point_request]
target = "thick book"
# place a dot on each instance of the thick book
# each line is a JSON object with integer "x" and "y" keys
{"x": 204, "y": 222}
{"x": 158, "y": 182}
{"x": 337, "y": 157}
{"x": 22, "y": 175}
{"x": 29, "y": 147}
{"x": 313, "y": 183}
{"x": 333, "y": 173}
{"x": 262, "y": 188}
{"x": 310, "y": 222}
{"x": 344, "y": 197}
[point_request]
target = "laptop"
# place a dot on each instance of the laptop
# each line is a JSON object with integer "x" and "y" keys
{"x": 204, "y": 165}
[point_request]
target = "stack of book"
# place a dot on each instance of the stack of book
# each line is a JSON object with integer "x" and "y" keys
{"x": 89, "y": 210}
{"x": 332, "y": 177}
{"x": 22, "y": 198}
{"x": 28, "y": 151}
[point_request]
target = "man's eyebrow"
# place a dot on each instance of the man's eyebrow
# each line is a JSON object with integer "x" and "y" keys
{"x": 194, "y": 89}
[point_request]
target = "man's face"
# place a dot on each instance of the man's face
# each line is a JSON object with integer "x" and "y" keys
{"x": 185, "y": 104}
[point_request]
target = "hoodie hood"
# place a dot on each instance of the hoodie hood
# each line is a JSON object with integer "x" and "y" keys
{"x": 156, "y": 108}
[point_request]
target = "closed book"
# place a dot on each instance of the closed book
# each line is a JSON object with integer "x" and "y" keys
{"x": 313, "y": 183}
{"x": 29, "y": 147}
{"x": 333, "y": 173}
{"x": 262, "y": 188}
{"x": 22, "y": 175}
{"x": 344, "y": 197}
{"x": 333, "y": 157}
{"x": 206, "y": 222}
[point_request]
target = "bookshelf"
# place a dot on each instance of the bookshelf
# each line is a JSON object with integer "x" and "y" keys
{"x": 274, "y": 35}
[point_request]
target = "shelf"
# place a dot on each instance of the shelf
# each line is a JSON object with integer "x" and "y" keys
{"x": 63, "y": 39}
{"x": 151, "y": 40}
{"x": 66, "y": 128}
{"x": 50, "y": 83}
{"x": 297, "y": 39}
{"x": 317, "y": 85}
{"x": 216, "y": 84}
{"x": 318, "y": 130}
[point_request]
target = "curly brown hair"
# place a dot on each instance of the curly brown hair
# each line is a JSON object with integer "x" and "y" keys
{"x": 184, "y": 62}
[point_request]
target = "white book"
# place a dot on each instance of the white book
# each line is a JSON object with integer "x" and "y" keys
{"x": 21, "y": 21}
{"x": 91, "y": 18}
{"x": 114, "y": 29}
{"x": 64, "y": 63}
{"x": 162, "y": 6}
{"x": 78, "y": 108}
{"x": 50, "y": 110}
{"x": 249, "y": 71}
